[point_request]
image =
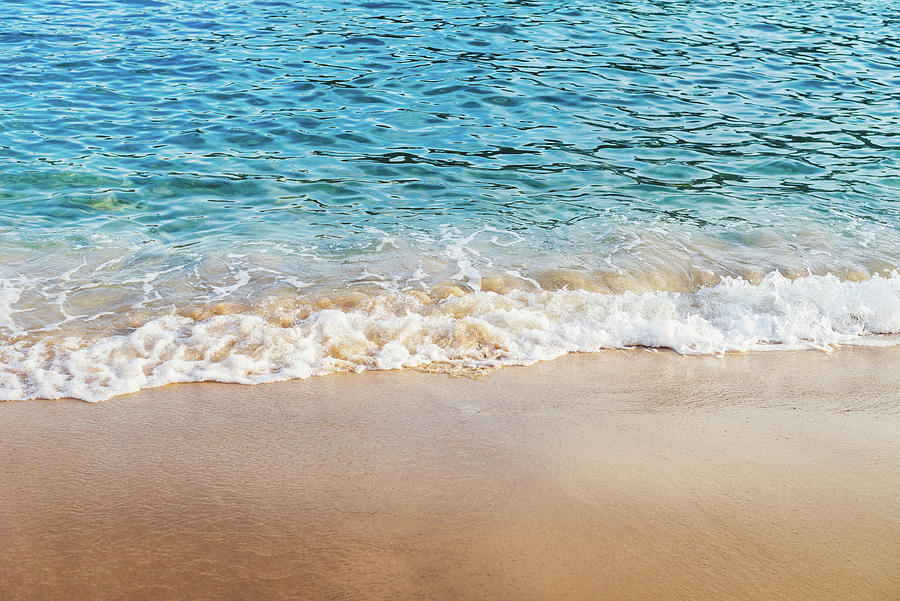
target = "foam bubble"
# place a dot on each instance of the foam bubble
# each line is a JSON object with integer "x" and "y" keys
{"x": 470, "y": 331}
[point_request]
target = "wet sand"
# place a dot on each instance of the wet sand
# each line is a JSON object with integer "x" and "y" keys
{"x": 624, "y": 475}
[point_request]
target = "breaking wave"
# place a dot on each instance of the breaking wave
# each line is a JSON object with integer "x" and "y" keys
{"x": 445, "y": 329}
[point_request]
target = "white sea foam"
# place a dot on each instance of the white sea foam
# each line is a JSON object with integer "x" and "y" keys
{"x": 479, "y": 329}
{"x": 9, "y": 295}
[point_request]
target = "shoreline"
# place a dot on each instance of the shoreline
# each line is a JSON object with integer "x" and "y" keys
{"x": 619, "y": 475}
{"x": 287, "y": 338}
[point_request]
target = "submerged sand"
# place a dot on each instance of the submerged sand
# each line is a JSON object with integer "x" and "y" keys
{"x": 624, "y": 475}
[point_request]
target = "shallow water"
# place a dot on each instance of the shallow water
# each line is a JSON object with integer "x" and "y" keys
{"x": 247, "y": 191}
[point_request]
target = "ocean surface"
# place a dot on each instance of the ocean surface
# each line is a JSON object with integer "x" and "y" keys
{"x": 249, "y": 191}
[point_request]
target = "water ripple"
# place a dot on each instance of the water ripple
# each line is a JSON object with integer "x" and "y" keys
{"x": 171, "y": 120}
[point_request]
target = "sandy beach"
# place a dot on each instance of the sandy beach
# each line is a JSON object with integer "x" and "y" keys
{"x": 624, "y": 475}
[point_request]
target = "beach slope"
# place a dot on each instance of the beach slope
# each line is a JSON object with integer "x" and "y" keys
{"x": 624, "y": 475}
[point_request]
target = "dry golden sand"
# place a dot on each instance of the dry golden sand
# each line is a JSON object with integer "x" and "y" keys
{"x": 624, "y": 475}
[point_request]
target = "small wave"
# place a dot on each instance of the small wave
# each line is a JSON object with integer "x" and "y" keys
{"x": 449, "y": 331}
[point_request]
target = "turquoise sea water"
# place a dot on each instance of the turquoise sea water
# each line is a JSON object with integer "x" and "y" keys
{"x": 248, "y": 191}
